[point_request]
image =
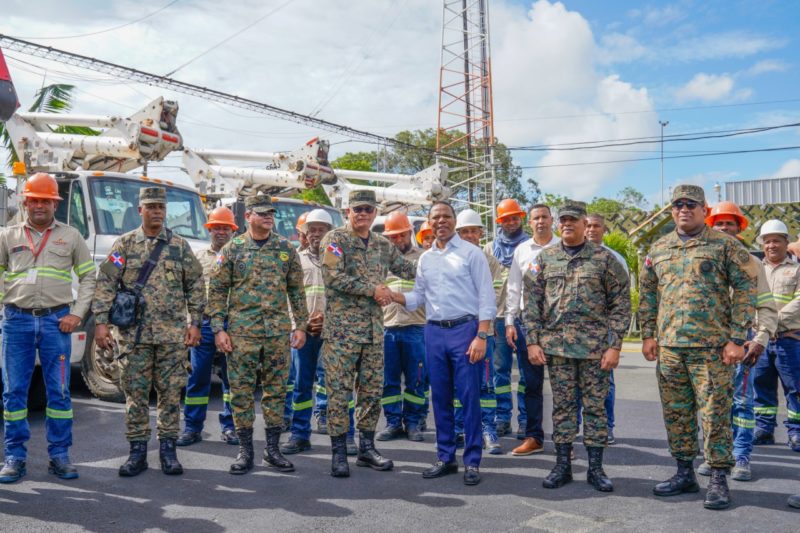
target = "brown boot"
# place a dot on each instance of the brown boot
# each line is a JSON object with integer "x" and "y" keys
{"x": 529, "y": 446}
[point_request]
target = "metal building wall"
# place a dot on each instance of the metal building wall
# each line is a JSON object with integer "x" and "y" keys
{"x": 764, "y": 192}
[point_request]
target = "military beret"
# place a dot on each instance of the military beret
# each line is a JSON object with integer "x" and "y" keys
{"x": 260, "y": 204}
{"x": 152, "y": 195}
{"x": 572, "y": 208}
{"x": 690, "y": 192}
{"x": 362, "y": 197}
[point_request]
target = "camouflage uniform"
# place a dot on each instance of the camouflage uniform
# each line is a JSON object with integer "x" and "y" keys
{"x": 158, "y": 360}
{"x": 353, "y": 329}
{"x": 253, "y": 285}
{"x": 578, "y": 307}
{"x": 695, "y": 296}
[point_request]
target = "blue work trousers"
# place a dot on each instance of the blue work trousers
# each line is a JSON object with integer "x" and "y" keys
{"x": 404, "y": 358}
{"x": 449, "y": 368}
{"x": 23, "y": 335}
{"x": 304, "y": 363}
{"x": 198, "y": 386}
{"x": 780, "y": 363}
{"x": 743, "y": 415}
{"x": 488, "y": 398}
{"x": 503, "y": 360}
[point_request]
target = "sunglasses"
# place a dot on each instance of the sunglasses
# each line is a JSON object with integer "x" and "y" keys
{"x": 368, "y": 209}
{"x": 268, "y": 214}
{"x": 688, "y": 204}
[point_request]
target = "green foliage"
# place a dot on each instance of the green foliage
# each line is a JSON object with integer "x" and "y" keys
{"x": 317, "y": 195}
{"x": 604, "y": 206}
{"x": 554, "y": 201}
{"x": 620, "y": 243}
{"x": 364, "y": 161}
{"x": 632, "y": 199}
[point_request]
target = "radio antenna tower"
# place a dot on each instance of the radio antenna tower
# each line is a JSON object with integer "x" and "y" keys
{"x": 465, "y": 126}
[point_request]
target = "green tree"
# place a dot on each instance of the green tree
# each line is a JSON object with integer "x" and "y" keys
{"x": 632, "y": 199}
{"x": 605, "y": 206}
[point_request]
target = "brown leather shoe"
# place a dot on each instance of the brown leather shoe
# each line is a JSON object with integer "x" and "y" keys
{"x": 529, "y": 446}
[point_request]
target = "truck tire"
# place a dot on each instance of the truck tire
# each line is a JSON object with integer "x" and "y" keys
{"x": 100, "y": 370}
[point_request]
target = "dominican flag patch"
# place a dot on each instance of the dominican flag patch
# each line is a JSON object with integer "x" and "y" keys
{"x": 220, "y": 259}
{"x": 648, "y": 262}
{"x": 335, "y": 249}
{"x": 535, "y": 268}
{"x": 117, "y": 260}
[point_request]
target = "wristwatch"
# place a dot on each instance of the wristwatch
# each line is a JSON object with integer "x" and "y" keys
{"x": 482, "y": 335}
{"x": 738, "y": 342}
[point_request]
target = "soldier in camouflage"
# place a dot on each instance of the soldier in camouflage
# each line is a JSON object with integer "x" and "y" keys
{"x": 577, "y": 312}
{"x": 355, "y": 264}
{"x": 152, "y": 353}
{"x": 258, "y": 274}
{"x": 697, "y": 300}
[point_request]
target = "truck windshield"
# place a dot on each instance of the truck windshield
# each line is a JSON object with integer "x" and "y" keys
{"x": 116, "y": 203}
{"x": 288, "y": 213}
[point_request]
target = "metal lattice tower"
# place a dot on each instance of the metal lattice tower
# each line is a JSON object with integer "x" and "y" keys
{"x": 465, "y": 126}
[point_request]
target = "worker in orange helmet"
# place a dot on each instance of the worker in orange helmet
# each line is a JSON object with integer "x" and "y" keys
{"x": 728, "y": 218}
{"x": 301, "y": 235}
{"x": 425, "y": 236}
{"x": 221, "y": 224}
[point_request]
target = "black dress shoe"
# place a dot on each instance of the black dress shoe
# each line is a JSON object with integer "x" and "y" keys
{"x": 471, "y": 475}
{"x": 439, "y": 469}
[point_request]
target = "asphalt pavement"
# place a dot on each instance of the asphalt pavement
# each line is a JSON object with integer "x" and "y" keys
{"x": 510, "y": 498}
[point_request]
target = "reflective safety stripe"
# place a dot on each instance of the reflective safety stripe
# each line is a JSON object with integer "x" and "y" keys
{"x": 290, "y": 388}
{"x": 763, "y": 298}
{"x": 352, "y": 404}
{"x": 391, "y": 399}
{"x": 45, "y": 272}
{"x": 13, "y": 416}
{"x": 413, "y": 399}
{"x": 766, "y": 410}
{"x": 520, "y": 389}
{"x": 320, "y": 390}
{"x": 83, "y": 268}
{"x": 57, "y": 413}
{"x": 196, "y": 400}
{"x": 505, "y": 389}
{"x": 226, "y": 398}
{"x": 783, "y": 298}
{"x": 315, "y": 289}
{"x": 303, "y": 405}
{"x": 793, "y": 416}
{"x": 744, "y": 422}
{"x": 492, "y": 404}
{"x": 498, "y": 283}
{"x": 404, "y": 285}
{"x": 457, "y": 404}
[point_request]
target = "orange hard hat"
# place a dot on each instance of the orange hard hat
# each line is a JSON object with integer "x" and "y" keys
{"x": 301, "y": 220}
{"x": 727, "y": 208}
{"x": 508, "y": 207}
{"x": 424, "y": 229}
{"x": 221, "y": 216}
{"x": 41, "y": 185}
{"x": 396, "y": 223}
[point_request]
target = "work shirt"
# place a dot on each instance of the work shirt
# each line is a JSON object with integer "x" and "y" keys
{"x": 313, "y": 282}
{"x": 46, "y": 280}
{"x": 524, "y": 255}
{"x": 394, "y": 314}
{"x": 784, "y": 282}
{"x": 453, "y": 282}
{"x": 578, "y": 305}
{"x": 499, "y": 279}
{"x": 697, "y": 293}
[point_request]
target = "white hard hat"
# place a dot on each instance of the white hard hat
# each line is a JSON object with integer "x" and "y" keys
{"x": 772, "y": 227}
{"x": 468, "y": 218}
{"x": 317, "y": 215}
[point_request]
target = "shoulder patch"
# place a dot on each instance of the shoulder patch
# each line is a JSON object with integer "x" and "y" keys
{"x": 333, "y": 253}
{"x": 284, "y": 256}
{"x": 238, "y": 240}
{"x": 741, "y": 257}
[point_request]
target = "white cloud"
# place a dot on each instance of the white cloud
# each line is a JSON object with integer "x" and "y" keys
{"x": 663, "y": 16}
{"x": 620, "y": 48}
{"x": 765, "y": 66}
{"x": 789, "y": 169}
{"x": 721, "y": 45}
{"x": 711, "y": 88}
{"x": 544, "y": 66}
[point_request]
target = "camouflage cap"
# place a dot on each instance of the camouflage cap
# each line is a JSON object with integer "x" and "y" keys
{"x": 362, "y": 197}
{"x": 260, "y": 203}
{"x": 152, "y": 195}
{"x": 690, "y": 192}
{"x": 572, "y": 208}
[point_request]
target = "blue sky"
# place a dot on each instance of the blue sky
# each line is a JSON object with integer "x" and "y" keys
{"x": 565, "y": 72}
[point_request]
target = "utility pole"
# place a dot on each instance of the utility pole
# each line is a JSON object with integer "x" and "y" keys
{"x": 664, "y": 124}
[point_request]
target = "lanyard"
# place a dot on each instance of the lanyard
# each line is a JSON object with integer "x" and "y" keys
{"x": 41, "y": 244}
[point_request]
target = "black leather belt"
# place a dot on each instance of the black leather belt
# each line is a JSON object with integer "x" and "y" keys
{"x": 40, "y": 311}
{"x": 447, "y": 324}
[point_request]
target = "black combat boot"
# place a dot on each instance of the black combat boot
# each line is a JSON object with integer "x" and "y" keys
{"x": 339, "y": 466}
{"x": 717, "y": 495}
{"x": 683, "y": 481}
{"x": 169, "y": 458}
{"x": 561, "y": 474}
{"x": 272, "y": 452}
{"x": 137, "y": 460}
{"x": 368, "y": 455}
{"x": 596, "y": 476}
{"x": 244, "y": 460}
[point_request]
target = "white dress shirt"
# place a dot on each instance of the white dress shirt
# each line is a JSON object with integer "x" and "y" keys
{"x": 453, "y": 282}
{"x": 524, "y": 255}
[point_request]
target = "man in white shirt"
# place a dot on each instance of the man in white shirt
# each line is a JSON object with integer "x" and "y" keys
{"x": 541, "y": 222}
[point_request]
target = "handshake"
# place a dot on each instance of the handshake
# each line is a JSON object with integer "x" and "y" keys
{"x": 384, "y": 296}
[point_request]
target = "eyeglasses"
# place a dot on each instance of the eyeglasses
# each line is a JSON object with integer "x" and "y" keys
{"x": 368, "y": 209}
{"x": 268, "y": 214}
{"x": 688, "y": 204}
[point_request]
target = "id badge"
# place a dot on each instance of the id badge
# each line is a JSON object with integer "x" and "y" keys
{"x": 30, "y": 277}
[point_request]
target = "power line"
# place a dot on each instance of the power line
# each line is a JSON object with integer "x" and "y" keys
{"x": 157, "y": 11}
{"x": 226, "y": 39}
{"x": 730, "y": 152}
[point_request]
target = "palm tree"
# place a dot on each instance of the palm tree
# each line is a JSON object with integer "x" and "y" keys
{"x": 54, "y": 98}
